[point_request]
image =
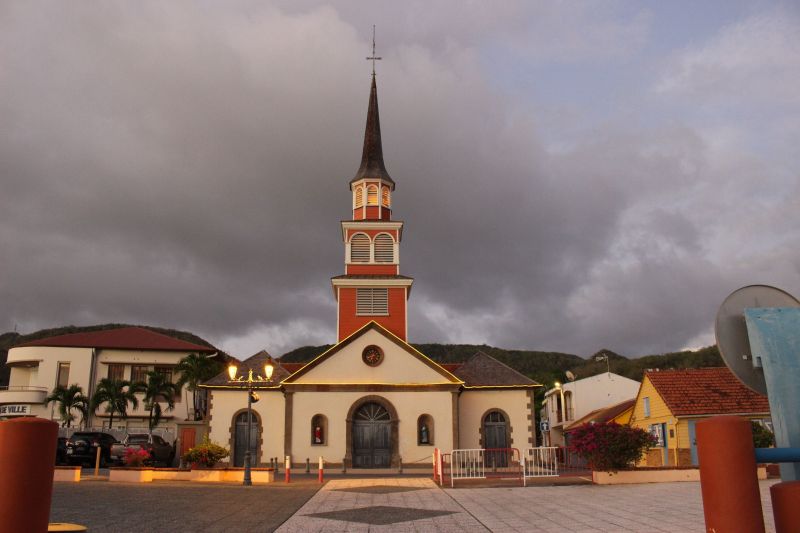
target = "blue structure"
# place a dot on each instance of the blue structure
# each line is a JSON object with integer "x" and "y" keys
{"x": 774, "y": 335}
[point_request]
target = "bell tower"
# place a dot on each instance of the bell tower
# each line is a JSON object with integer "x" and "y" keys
{"x": 372, "y": 287}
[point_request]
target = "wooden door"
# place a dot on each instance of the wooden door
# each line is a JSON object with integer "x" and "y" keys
{"x": 372, "y": 446}
{"x": 240, "y": 440}
{"x": 495, "y": 438}
{"x": 188, "y": 436}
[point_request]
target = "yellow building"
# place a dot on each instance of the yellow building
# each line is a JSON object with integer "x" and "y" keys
{"x": 671, "y": 402}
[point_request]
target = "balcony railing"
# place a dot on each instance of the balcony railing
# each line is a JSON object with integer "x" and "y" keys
{"x": 22, "y": 394}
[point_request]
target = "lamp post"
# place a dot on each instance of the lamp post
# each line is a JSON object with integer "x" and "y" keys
{"x": 563, "y": 407}
{"x": 250, "y": 381}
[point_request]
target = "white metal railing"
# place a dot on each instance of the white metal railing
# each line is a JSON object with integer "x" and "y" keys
{"x": 540, "y": 462}
{"x": 467, "y": 464}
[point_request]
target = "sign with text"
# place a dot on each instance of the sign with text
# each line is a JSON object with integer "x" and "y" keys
{"x": 15, "y": 410}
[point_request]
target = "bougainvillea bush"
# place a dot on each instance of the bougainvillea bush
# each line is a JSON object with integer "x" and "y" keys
{"x": 135, "y": 457}
{"x": 206, "y": 453}
{"x": 610, "y": 446}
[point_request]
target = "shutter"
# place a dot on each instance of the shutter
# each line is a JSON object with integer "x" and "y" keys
{"x": 385, "y": 196}
{"x": 359, "y": 196}
{"x": 384, "y": 248}
{"x": 372, "y": 195}
{"x": 359, "y": 248}
{"x": 372, "y": 301}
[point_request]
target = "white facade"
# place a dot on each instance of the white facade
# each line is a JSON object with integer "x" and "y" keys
{"x": 570, "y": 401}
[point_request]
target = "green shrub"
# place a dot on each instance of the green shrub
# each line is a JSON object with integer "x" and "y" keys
{"x": 206, "y": 453}
{"x": 610, "y": 446}
{"x": 762, "y": 437}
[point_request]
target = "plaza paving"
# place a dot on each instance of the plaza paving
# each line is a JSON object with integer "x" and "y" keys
{"x": 402, "y": 504}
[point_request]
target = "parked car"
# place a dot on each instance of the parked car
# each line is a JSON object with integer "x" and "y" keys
{"x": 82, "y": 447}
{"x": 160, "y": 450}
{"x": 61, "y": 451}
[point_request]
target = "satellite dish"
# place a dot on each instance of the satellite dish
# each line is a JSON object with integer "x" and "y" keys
{"x": 731, "y": 330}
{"x": 570, "y": 376}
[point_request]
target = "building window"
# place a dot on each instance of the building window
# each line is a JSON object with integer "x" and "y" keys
{"x": 116, "y": 372}
{"x": 139, "y": 373}
{"x": 425, "y": 430}
{"x": 385, "y": 196}
{"x": 646, "y": 405}
{"x": 359, "y": 248}
{"x": 372, "y": 195}
{"x": 359, "y": 196}
{"x": 319, "y": 430}
{"x": 165, "y": 371}
{"x": 62, "y": 379}
{"x": 384, "y": 248}
{"x": 372, "y": 301}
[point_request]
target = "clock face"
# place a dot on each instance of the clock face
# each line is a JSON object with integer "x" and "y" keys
{"x": 372, "y": 355}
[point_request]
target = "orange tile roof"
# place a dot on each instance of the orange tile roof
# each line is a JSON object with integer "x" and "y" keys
{"x": 706, "y": 391}
{"x": 131, "y": 338}
{"x": 601, "y": 415}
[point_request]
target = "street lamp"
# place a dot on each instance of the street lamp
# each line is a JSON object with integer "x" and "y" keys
{"x": 560, "y": 389}
{"x": 250, "y": 381}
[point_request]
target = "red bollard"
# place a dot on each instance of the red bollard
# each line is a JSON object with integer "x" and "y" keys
{"x": 435, "y": 453}
{"x": 320, "y": 469}
{"x": 288, "y": 476}
{"x": 786, "y": 506}
{"x": 728, "y": 477}
{"x": 27, "y": 462}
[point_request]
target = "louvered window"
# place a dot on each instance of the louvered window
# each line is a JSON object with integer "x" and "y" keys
{"x": 384, "y": 248}
{"x": 359, "y": 248}
{"x": 385, "y": 196}
{"x": 372, "y": 195}
{"x": 372, "y": 301}
{"x": 359, "y": 196}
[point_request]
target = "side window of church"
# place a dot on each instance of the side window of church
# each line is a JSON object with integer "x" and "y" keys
{"x": 359, "y": 248}
{"x": 372, "y": 301}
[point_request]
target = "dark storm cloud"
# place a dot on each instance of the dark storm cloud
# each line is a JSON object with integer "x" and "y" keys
{"x": 187, "y": 167}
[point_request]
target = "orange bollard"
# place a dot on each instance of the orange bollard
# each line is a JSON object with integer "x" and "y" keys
{"x": 27, "y": 462}
{"x": 288, "y": 476}
{"x": 728, "y": 479}
{"x": 786, "y": 506}
{"x": 320, "y": 469}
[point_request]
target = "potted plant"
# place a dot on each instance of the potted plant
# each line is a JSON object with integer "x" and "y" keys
{"x": 206, "y": 454}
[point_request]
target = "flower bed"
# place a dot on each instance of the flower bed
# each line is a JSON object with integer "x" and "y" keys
{"x": 657, "y": 474}
{"x": 207, "y": 475}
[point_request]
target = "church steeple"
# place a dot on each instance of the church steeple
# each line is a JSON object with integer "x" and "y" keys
{"x": 372, "y": 288}
{"x": 372, "y": 165}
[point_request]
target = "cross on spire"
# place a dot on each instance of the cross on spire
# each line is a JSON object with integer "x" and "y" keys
{"x": 373, "y": 58}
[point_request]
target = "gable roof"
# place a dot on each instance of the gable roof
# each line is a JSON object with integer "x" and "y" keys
{"x": 372, "y": 325}
{"x": 706, "y": 391}
{"x": 255, "y": 363}
{"x": 130, "y": 338}
{"x": 604, "y": 414}
{"x": 483, "y": 370}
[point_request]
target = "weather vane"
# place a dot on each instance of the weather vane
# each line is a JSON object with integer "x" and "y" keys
{"x": 373, "y": 58}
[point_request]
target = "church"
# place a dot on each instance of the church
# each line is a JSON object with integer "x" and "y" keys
{"x": 372, "y": 400}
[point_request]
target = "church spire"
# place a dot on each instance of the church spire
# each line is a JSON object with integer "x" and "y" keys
{"x": 372, "y": 166}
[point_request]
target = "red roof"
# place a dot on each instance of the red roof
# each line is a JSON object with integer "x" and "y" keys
{"x": 292, "y": 367}
{"x": 132, "y": 338}
{"x": 604, "y": 414}
{"x": 706, "y": 391}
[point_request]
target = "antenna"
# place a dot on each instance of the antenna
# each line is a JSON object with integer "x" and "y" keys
{"x": 570, "y": 375}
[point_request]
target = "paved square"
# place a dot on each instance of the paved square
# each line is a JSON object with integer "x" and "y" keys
{"x": 379, "y": 489}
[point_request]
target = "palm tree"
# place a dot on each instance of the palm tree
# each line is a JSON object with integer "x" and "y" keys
{"x": 158, "y": 388}
{"x": 195, "y": 369}
{"x": 69, "y": 399}
{"x": 116, "y": 394}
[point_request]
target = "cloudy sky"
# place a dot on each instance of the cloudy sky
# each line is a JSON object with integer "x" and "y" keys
{"x": 573, "y": 175}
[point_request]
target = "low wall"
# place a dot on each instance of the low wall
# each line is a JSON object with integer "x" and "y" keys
{"x": 210, "y": 475}
{"x": 71, "y": 474}
{"x": 655, "y": 475}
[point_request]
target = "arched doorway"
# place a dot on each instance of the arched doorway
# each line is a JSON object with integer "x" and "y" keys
{"x": 240, "y": 439}
{"x": 495, "y": 435}
{"x": 372, "y": 443}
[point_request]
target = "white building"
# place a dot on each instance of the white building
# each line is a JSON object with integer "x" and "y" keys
{"x": 570, "y": 401}
{"x": 83, "y": 359}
